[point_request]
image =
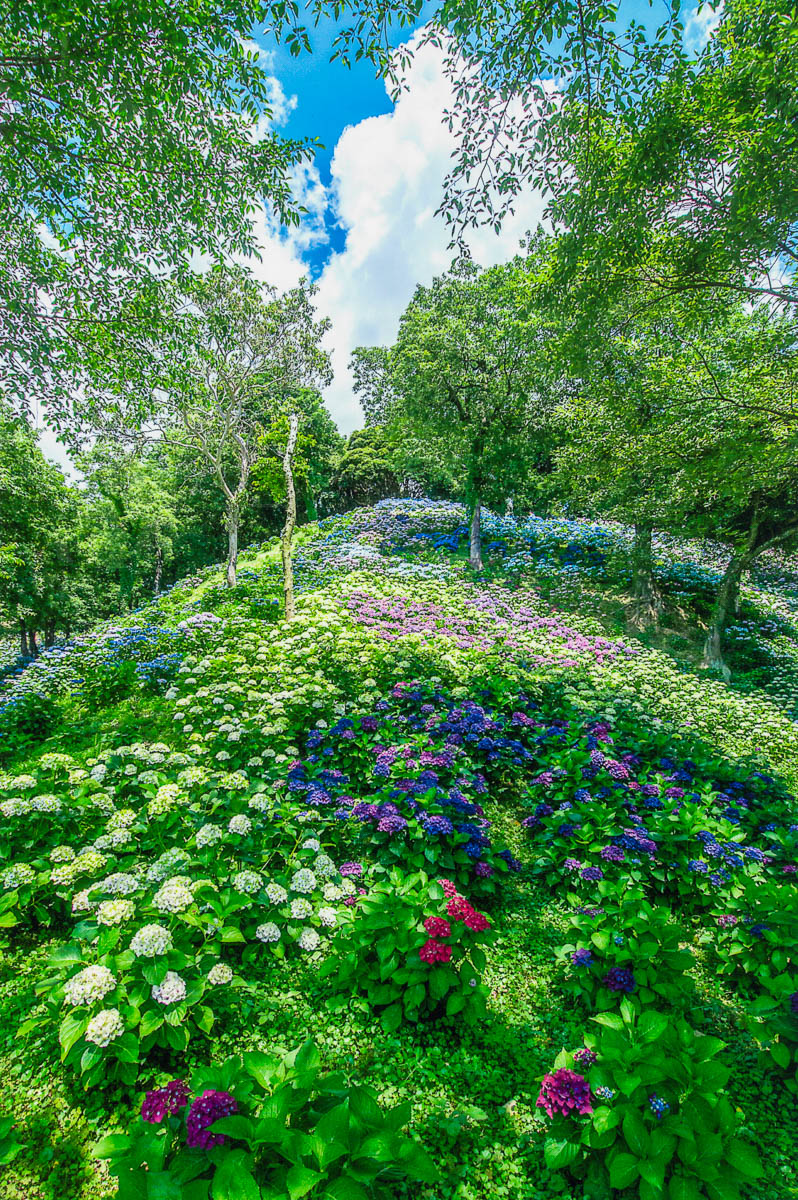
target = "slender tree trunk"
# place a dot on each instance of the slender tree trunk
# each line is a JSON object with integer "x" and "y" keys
{"x": 158, "y": 571}
{"x": 233, "y": 517}
{"x": 647, "y": 604}
{"x": 475, "y": 536}
{"x": 23, "y": 640}
{"x": 722, "y": 609}
{"x": 34, "y": 649}
{"x": 290, "y": 517}
{"x": 49, "y": 633}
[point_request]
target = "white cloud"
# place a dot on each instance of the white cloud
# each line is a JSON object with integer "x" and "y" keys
{"x": 387, "y": 179}
{"x": 701, "y": 23}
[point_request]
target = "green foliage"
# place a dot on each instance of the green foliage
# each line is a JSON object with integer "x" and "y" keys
{"x": 296, "y": 1132}
{"x": 377, "y": 954}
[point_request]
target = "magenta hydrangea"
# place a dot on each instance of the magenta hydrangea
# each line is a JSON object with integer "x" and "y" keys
{"x": 165, "y": 1102}
{"x": 564, "y": 1092}
{"x": 209, "y": 1107}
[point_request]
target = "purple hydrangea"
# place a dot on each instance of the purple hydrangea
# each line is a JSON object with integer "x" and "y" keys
{"x": 612, "y": 854}
{"x": 564, "y": 1092}
{"x": 350, "y": 868}
{"x": 582, "y": 958}
{"x": 209, "y": 1107}
{"x": 592, "y": 874}
{"x": 572, "y": 864}
{"x": 620, "y": 979}
{"x": 585, "y": 1057}
{"x": 391, "y": 824}
{"x": 794, "y": 1003}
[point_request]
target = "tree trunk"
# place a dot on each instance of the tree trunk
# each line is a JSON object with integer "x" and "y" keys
{"x": 290, "y": 517}
{"x": 23, "y": 640}
{"x": 475, "y": 537}
{"x": 49, "y": 633}
{"x": 722, "y": 609}
{"x": 34, "y": 649}
{"x": 158, "y": 571}
{"x": 647, "y": 604}
{"x": 233, "y": 517}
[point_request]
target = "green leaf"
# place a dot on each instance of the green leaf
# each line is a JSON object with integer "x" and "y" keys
{"x": 72, "y": 1028}
{"x": 345, "y": 1189}
{"x": 623, "y": 1170}
{"x": 610, "y": 1020}
{"x": 745, "y": 1158}
{"x": 684, "y": 1187}
{"x": 636, "y": 1135}
{"x": 233, "y": 1179}
{"x": 560, "y": 1153}
{"x": 651, "y": 1025}
{"x": 299, "y": 1181}
{"x": 391, "y": 1018}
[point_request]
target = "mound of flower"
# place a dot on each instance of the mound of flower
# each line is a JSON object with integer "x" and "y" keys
{"x": 327, "y": 792}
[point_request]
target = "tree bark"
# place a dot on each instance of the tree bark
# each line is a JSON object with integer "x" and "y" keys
{"x": 49, "y": 633}
{"x": 647, "y": 604}
{"x": 34, "y": 649}
{"x": 158, "y": 571}
{"x": 290, "y": 517}
{"x": 23, "y": 640}
{"x": 233, "y": 517}
{"x": 723, "y": 607}
{"x": 475, "y": 536}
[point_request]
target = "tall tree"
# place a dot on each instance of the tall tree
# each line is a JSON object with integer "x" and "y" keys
{"x": 235, "y": 352}
{"x": 468, "y": 374}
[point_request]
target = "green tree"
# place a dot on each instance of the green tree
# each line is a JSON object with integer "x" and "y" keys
{"x": 234, "y": 354}
{"x": 132, "y": 136}
{"x": 468, "y": 373}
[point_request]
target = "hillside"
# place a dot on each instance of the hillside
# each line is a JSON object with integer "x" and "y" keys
{"x": 462, "y": 832}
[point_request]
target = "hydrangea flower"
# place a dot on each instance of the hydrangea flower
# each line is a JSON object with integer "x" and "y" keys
{"x": 309, "y": 939}
{"x": 239, "y": 824}
{"x": 171, "y": 991}
{"x": 219, "y": 974}
{"x": 173, "y": 897}
{"x": 268, "y": 932}
{"x": 211, "y": 1106}
{"x": 151, "y": 941}
{"x": 115, "y": 912}
{"x": 620, "y": 979}
{"x": 248, "y": 882}
{"x": 276, "y": 893}
{"x": 165, "y": 1102}
{"x": 89, "y": 985}
{"x": 105, "y": 1028}
{"x": 564, "y": 1092}
{"x": 301, "y": 909}
{"x": 303, "y": 881}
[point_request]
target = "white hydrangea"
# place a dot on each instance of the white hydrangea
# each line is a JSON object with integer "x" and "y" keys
{"x": 168, "y": 864}
{"x": 309, "y": 939}
{"x": 328, "y": 917}
{"x": 325, "y": 866}
{"x": 208, "y": 835}
{"x": 171, "y": 991}
{"x": 348, "y": 887}
{"x": 173, "y": 897}
{"x": 151, "y": 941}
{"x": 220, "y": 973}
{"x": 18, "y": 875}
{"x": 259, "y": 803}
{"x": 46, "y": 804}
{"x": 115, "y": 912}
{"x": 22, "y": 783}
{"x": 248, "y": 882}
{"x": 15, "y": 807}
{"x": 303, "y": 881}
{"x": 331, "y": 891}
{"x": 240, "y": 824}
{"x": 301, "y": 908}
{"x": 89, "y": 986}
{"x": 120, "y": 884}
{"x": 81, "y": 902}
{"x": 89, "y": 862}
{"x": 311, "y": 844}
{"x": 62, "y": 854}
{"x": 98, "y": 773}
{"x": 268, "y": 932}
{"x": 122, "y": 819}
{"x": 276, "y": 893}
{"x": 105, "y": 1027}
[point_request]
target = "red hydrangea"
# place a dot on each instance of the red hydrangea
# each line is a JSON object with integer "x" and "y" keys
{"x": 437, "y": 927}
{"x": 432, "y": 952}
